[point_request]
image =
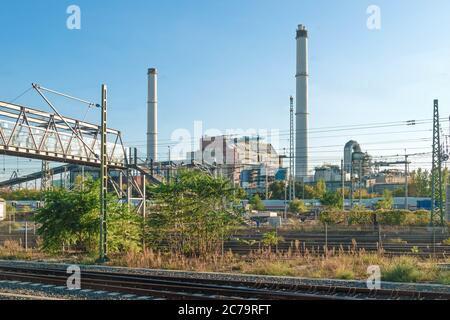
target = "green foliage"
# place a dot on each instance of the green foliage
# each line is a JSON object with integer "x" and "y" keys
{"x": 392, "y": 217}
{"x": 71, "y": 219}
{"x": 417, "y": 218}
{"x": 387, "y": 202}
{"x": 359, "y": 215}
{"x": 399, "y": 192}
{"x": 345, "y": 274}
{"x": 403, "y": 271}
{"x": 332, "y": 199}
{"x": 320, "y": 189}
{"x": 277, "y": 190}
{"x": 256, "y": 203}
{"x": 193, "y": 213}
{"x": 332, "y": 217}
{"x": 271, "y": 239}
{"x": 420, "y": 185}
{"x": 22, "y": 194}
{"x": 297, "y": 206}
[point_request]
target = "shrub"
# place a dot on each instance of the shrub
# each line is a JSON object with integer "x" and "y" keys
{"x": 391, "y": 217}
{"x": 444, "y": 278}
{"x": 345, "y": 274}
{"x": 332, "y": 217}
{"x": 403, "y": 271}
{"x": 360, "y": 216}
{"x": 297, "y": 206}
{"x": 417, "y": 218}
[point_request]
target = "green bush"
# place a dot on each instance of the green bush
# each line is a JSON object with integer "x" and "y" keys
{"x": 417, "y": 218}
{"x": 360, "y": 216}
{"x": 444, "y": 278}
{"x": 392, "y": 217}
{"x": 332, "y": 217}
{"x": 401, "y": 272}
{"x": 345, "y": 275}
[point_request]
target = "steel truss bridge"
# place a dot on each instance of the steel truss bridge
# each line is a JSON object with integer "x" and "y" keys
{"x": 49, "y": 136}
{"x": 34, "y": 134}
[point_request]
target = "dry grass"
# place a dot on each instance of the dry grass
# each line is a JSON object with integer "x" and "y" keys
{"x": 13, "y": 250}
{"x": 335, "y": 264}
{"x": 351, "y": 263}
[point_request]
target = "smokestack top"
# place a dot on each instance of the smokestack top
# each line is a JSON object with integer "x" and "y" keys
{"x": 302, "y": 32}
{"x": 152, "y": 71}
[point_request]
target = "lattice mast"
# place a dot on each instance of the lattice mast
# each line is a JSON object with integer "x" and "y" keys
{"x": 437, "y": 203}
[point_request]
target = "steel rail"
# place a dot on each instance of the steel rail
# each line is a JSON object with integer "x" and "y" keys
{"x": 190, "y": 288}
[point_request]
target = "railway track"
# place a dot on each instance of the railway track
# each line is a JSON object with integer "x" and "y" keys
{"x": 413, "y": 243}
{"x": 167, "y": 287}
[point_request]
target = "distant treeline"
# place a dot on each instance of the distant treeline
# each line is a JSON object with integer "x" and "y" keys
{"x": 23, "y": 194}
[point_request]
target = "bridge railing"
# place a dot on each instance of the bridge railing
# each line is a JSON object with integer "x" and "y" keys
{"x": 36, "y": 134}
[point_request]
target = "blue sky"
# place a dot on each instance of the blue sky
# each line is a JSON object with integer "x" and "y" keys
{"x": 231, "y": 64}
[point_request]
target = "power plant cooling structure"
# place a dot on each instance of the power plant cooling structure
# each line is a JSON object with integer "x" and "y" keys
{"x": 301, "y": 115}
{"x": 152, "y": 116}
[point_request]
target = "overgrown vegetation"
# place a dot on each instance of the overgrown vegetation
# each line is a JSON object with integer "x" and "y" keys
{"x": 362, "y": 216}
{"x": 336, "y": 265}
{"x": 193, "y": 214}
{"x": 22, "y": 194}
{"x": 69, "y": 221}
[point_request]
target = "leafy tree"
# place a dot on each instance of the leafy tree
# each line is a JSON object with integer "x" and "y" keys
{"x": 256, "y": 203}
{"x": 297, "y": 206}
{"x": 71, "y": 219}
{"x": 22, "y": 194}
{"x": 320, "y": 189}
{"x": 277, "y": 190}
{"x": 387, "y": 202}
{"x": 271, "y": 239}
{"x": 193, "y": 213}
{"x": 332, "y": 199}
{"x": 399, "y": 192}
{"x": 420, "y": 185}
{"x": 304, "y": 191}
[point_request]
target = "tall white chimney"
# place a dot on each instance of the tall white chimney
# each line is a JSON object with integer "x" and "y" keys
{"x": 301, "y": 115}
{"x": 152, "y": 116}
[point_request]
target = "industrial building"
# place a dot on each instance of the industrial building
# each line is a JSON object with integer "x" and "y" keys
{"x": 246, "y": 161}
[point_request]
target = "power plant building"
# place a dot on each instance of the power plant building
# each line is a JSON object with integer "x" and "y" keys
{"x": 248, "y": 162}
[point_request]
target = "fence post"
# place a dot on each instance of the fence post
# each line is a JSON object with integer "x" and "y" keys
{"x": 326, "y": 239}
{"x": 380, "y": 244}
{"x": 26, "y": 235}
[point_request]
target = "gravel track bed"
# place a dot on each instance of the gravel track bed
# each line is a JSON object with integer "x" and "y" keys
{"x": 46, "y": 292}
{"x": 420, "y": 287}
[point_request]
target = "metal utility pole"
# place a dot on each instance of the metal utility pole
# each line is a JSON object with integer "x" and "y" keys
{"x": 267, "y": 182}
{"x": 343, "y": 183}
{"x": 169, "y": 167}
{"x": 46, "y": 176}
{"x": 291, "y": 152}
{"x": 103, "y": 177}
{"x": 351, "y": 185}
{"x": 360, "y": 180}
{"x": 436, "y": 171}
{"x": 406, "y": 181}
